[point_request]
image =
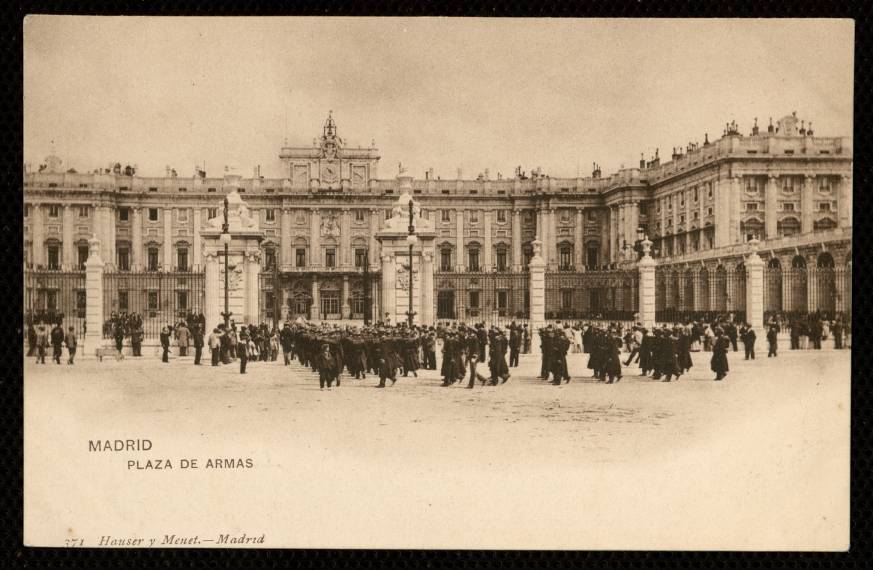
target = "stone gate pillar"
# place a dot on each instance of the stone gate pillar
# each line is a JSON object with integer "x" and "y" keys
{"x": 93, "y": 297}
{"x": 537, "y": 269}
{"x": 755, "y": 289}
{"x": 213, "y": 301}
{"x": 646, "y": 268}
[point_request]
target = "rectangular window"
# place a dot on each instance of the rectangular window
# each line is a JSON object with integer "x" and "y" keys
{"x": 182, "y": 215}
{"x": 446, "y": 260}
{"x": 81, "y": 303}
{"x": 181, "y": 300}
{"x": 474, "y": 260}
{"x": 474, "y": 299}
{"x": 153, "y": 214}
{"x": 501, "y": 260}
{"x": 359, "y": 215}
{"x": 270, "y": 258}
{"x": 445, "y": 216}
{"x": 83, "y": 256}
{"x": 565, "y": 216}
{"x": 330, "y": 257}
{"x": 53, "y": 257}
{"x": 360, "y": 257}
{"x": 824, "y": 207}
{"x": 592, "y": 216}
{"x": 123, "y": 214}
{"x": 566, "y": 258}
{"x": 211, "y": 213}
{"x": 153, "y": 188}
{"x": 153, "y": 301}
{"x": 474, "y": 216}
{"x": 270, "y": 190}
{"x": 502, "y": 300}
{"x": 695, "y": 194}
{"x": 53, "y": 211}
{"x": 300, "y": 257}
{"x": 123, "y": 188}
{"x": 824, "y": 184}
{"x": 566, "y": 299}
{"x": 787, "y": 207}
{"x": 210, "y": 189}
{"x": 182, "y": 258}
{"x": 751, "y": 206}
{"x": 271, "y": 215}
{"x": 528, "y": 216}
{"x": 501, "y": 216}
{"x": 153, "y": 259}
{"x": 123, "y": 301}
{"x": 84, "y": 211}
{"x": 123, "y": 259}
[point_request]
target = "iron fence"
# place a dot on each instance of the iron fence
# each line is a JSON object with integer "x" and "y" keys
{"x": 687, "y": 294}
{"x": 289, "y": 296}
{"x": 54, "y": 297}
{"x": 609, "y": 295}
{"x": 157, "y": 299}
{"x": 799, "y": 291}
{"x": 493, "y": 297}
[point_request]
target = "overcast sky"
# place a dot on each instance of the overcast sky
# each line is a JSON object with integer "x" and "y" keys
{"x": 441, "y": 93}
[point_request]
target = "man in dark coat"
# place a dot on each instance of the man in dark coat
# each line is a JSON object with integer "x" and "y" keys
{"x": 57, "y": 340}
{"x": 242, "y": 349}
{"x": 286, "y": 339}
{"x": 327, "y": 369}
{"x": 837, "y": 331}
{"x": 749, "y": 336}
{"x": 514, "y": 345}
{"x": 482, "y": 337}
{"x": 772, "y": 340}
{"x": 71, "y": 342}
{"x": 197, "y": 333}
{"x": 497, "y": 354}
{"x": 719, "y": 361}
{"x": 732, "y": 335}
{"x": 546, "y": 349}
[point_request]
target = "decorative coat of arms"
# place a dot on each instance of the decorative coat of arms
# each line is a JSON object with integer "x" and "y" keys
{"x": 330, "y": 225}
{"x": 235, "y": 278}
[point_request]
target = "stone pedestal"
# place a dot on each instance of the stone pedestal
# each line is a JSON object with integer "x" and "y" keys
{"x": 242, "y": 264}
{"x": 399, "y": 272}
{"x": 646, "y": 267}
{"x": 755, "y": 290}
{"x": 93, "y": 298}
{"x": 537, "y": 270}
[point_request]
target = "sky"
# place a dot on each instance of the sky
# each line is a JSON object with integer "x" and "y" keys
{"x": 441, "y": 93}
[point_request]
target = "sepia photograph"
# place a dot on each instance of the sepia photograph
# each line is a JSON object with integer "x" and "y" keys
{"x": 421, "y": 283}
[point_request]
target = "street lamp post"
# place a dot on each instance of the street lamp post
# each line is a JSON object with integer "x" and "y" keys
{"x": 411, "y": 239}
{"x": 225, "y": 239}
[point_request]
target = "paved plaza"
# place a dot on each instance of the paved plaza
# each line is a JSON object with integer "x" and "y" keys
{"x": 397, "y": 461}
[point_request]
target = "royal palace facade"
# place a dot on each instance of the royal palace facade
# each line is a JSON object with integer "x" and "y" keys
{"x": 321, "y": 257}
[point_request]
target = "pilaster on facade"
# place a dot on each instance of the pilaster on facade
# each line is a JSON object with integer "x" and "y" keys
{"x": 771, "y": 207}
{"x": 844, "y": 202}
{"x": 579, "y": 239}
{"x": 486, "y": 222}
{"x": 345, "y": 253}
{"x": 516, "y": 240}
{"x": 168, "y": 238}
{"x": 136, "y": 248}
{"x": 315, "y": 237}
{"x": 69, "y": 256}
{"x": 459, "y": 237}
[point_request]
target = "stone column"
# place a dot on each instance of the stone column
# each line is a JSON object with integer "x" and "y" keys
{"x": 38, "y": 236}
{"x": 460, "y": 261}
{"x": 214, "y": 302}
{"x": 646, "y": 266}
{"x": 68, "y": 259}
{"x": 287, "y": 258}
{"x": 314, "y": 238}
{"x": 388, "y": 284}
{"x": 427, "y": 305}
{"x": 346, "y": 307}
{"x": 844, "y": 202}
{"x": 517, "y": 257}
{"x": 537, "y": 268}
{"x": 197, "y": 257}
{"x": 316, "y": 299}
{"x": 253, "y": 287}
{"x": 93, "y": 296}
{"x": 755, "y": 289}
{"x": 487, "y": 261}
{"x": 167, "y": 263}
{"x": 579, "y": 240}
{"x": 770, "y": 207}
{"x": 373, "y": 255}
{"x": 345, "y": 240}
{"x": 136, "y": 261}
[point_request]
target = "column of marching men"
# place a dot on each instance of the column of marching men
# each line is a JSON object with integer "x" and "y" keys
{"x": 468, "y": 352}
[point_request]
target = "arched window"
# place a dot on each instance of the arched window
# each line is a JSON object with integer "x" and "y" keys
{"x": 751, "y": 228}
{"x": 182, "y": 256}
{"x": 773, "y": 286}
{"x": 445, "y": 257}
{"x": 53, "y": 254}
{"x": 501, "y": 256}
{"x": 592, "y": 255}
{"x": 152, "y": 259}
{"x": 788, "y": 227}
{"x": 826, "y": 291}
{"x": 795, "y": 285}
{"x": 824, "y": 225}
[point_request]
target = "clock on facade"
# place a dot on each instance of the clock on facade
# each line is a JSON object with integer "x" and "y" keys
{"x": 330, "y": 172}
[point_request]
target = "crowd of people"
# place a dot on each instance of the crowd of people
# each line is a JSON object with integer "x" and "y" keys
{"x": 468, "y": 352}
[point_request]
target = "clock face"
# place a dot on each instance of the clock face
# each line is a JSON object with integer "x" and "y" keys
{"x": 330, "y": 173}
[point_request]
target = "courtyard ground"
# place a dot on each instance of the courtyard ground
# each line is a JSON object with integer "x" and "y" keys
{"x": 760, "y": 460}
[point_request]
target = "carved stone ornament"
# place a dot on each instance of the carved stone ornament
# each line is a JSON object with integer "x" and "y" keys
{"x": 235, "y": 278}
{"x": 402, "y": 278}
{"x": 330, "y": 225}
